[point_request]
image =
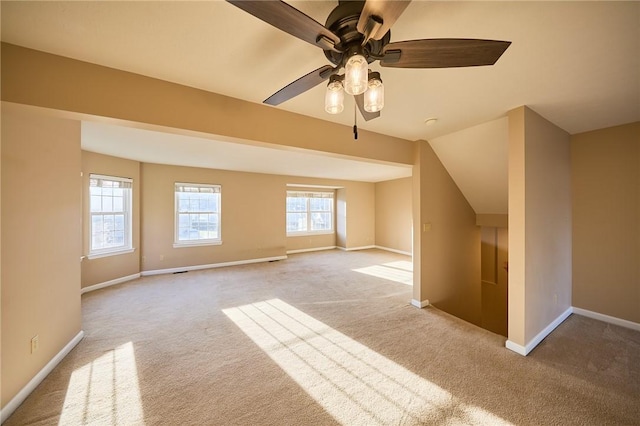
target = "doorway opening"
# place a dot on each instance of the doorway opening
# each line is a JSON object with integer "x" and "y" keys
{"x": 494, "y": 255}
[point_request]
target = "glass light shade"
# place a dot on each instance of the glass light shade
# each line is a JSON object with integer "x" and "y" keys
{"x": 374, "y": 96}
{"x": 355, "y": 75}
{"x": 334, "y": 98}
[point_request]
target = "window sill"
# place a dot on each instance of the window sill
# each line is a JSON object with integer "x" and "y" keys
{"x": 197, "y": 244}
{"x": 109, "y": 253}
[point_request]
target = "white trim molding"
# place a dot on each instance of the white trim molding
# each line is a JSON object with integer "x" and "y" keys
{"x": 356, "y": 248}
{"x": 109, "y": 283}
{"x": 109, "y": 253}
{"x": 310, "y": 249}
{"x": 197, "y": 243}
{"x": 519, "y": 349}
{"x": 210, "y": 266}
{"x": 394, "y": 250}
{"x": 420, "y": 304}
{"x": 15, "y": 402}
{"x": 524, "y": 350}
{"x": 606, "y": 318}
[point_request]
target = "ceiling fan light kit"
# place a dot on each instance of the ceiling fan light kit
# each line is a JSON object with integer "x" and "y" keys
{"x": 334, "y": 98}
{"x": 355, "y": 75}
{"x": 356, "y": 34}
{"x": 374, "y": 96}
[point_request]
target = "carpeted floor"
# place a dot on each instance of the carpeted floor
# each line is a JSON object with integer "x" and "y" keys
{"x": 322, "y": 339}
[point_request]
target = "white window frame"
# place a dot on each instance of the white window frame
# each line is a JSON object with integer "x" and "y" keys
{"x": 127, "y": 211}
{"x": 178, "y": 188}
{"x": 308, "y": 195}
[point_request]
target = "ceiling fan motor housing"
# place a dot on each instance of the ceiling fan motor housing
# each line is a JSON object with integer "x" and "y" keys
{"x": 343, "y": 21}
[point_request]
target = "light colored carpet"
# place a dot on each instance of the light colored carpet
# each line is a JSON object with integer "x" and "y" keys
{"x": 319, "y": 339}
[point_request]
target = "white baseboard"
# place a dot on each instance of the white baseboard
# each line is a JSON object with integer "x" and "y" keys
{"x": 15, "y": 402}
{"x": 310, "y": 249}
{"x": 109, "y": 283}
{"x": 606, "y": 318}
{"x": 524, "y": 350}
{"x": 355, "y": 248}
{"x": 393, "y": 250}
{"x": 210, "y": 266}
{"x": 419, "y": 304}
{"x": 519, "y": 349}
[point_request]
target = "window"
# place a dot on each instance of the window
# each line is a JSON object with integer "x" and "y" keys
{"x": 309, "y": 213}
{"x": 110, "y": 211}
{"x": 197, "y": 214}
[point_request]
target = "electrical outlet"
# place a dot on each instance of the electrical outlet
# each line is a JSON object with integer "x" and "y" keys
{"x": 35, "y": 343}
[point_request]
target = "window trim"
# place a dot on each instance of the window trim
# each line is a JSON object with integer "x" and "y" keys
{"x": 309, "y": 194}
{"x": 196, "y": 243}
{"x": 128, "y": 219}
{"x": 110, "y": 253}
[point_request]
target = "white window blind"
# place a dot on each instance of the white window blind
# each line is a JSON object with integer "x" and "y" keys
{"x": 302, "y": 194}
{"x": 199, "y": 188}
{"x": 109, "y": 181}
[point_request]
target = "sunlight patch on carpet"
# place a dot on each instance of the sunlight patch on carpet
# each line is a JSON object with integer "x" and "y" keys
{"x": 405, "y": 265}
{"x": 400, "y": 271}
{"x": 105, "y": 391}
{"x": 354, "y": 384}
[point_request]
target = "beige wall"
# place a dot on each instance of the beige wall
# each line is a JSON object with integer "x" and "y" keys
{"x": 361, "y": 219}
{"x": 311, "y": 242}
{"x": 606, "y": 221}
{"x": 539, "y": 224}
{"x": 493, "y": 220}
{"x": 41, "y": 243}
{"x": 449, "y": 248}
{"x": 516, "y": 290}
{"x": 103, "y": 269}
{"x": 253, "y": 217}
{"x": 394, "y": 215}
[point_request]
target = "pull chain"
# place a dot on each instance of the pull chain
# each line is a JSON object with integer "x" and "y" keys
{"x": 355, "y": 123}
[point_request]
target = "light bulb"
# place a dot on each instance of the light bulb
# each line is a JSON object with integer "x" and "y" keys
{"x": 374, "y": 96}
{"x": 355, "y": 75}
{"x": 334, "y": 97}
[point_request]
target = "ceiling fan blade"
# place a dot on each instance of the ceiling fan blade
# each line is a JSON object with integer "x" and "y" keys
{"x": 384, "y": 12}
{"x": 290, "y": 20}
{"x": 365, "y": 114}
{"x": 443, "y": 53}
{"x": 301, "y": 85}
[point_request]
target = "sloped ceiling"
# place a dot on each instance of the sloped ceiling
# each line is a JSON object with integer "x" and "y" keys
{"x": 575, "y": 63}
{"x": 476, "y": 158}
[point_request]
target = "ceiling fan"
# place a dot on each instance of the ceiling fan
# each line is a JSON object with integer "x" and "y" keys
{"x": 356, "y": 34}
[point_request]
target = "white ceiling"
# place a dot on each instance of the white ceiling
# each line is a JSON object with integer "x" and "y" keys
{"x": 575, "y": 63}
{"x": 154, "y": 146}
